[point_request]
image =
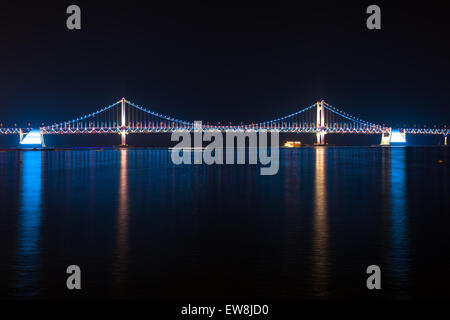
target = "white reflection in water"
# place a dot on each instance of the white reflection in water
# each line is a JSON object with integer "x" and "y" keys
{"x": 320, "y": 237}
{"x": 122, "y": 221}
{"x": 27, "y": 262}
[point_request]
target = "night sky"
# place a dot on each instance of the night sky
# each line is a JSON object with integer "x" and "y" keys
{"x": 224, "y": 63}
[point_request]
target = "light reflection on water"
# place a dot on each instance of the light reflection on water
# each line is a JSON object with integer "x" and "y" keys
{"x": 399, "y": 242}
{"x": 28, "y": 248}
{"x": 122, "y": 223}
{"x": 132, "y": 219}
{"x": 320, "y": 239}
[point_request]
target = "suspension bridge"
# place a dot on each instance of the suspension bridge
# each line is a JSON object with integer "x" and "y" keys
{"x": 125, "y": 117}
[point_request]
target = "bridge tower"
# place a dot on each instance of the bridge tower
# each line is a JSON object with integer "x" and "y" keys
{"x": 320, "y": 122}
{"x": 123, "y": 124}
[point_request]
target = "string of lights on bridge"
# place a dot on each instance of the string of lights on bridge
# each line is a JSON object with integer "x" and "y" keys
{"x": 126, "y": 116}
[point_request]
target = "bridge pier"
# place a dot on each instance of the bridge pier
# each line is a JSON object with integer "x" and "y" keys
{"x": 445, "y": 140}
{"x": 123, "y": 138}
{"x": 320, "y": 136}
{"x": 386, "y": 138}
{"x": 396, "y": 136}
{"x": 34, "y": 137}
{"x": 123, "y": 126}
{"x": 43, "y": 141}
{"x": 320, "y": 123}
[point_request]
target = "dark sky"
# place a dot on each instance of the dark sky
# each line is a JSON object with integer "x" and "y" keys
{"x": 223, "y": 63}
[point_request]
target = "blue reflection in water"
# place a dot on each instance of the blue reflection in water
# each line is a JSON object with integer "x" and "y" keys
{"x": 166, "y": 227}
{"x": 27, "y": 263}
{"x": 399, "y": 220}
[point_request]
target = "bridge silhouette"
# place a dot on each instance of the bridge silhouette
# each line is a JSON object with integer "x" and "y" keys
{"x": 124, "y": 117}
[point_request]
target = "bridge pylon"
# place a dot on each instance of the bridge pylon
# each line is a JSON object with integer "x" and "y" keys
{"x": 123, "y": 125}
{"x": 320, "y": 123}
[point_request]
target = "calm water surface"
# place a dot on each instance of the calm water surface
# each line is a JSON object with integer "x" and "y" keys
{"x": 141, "y": 227}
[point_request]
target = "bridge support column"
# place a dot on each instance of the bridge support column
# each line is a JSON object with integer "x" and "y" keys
{"x": 34, "y": 137}
{"x": 445, "y": 140}
{"x": 123, "y": 125}
{"x": 320, "y": 137}
{"x": 43, "y": 142}
{"x": 386, "y": 138}
{"x": 123, "y": 138}
{"x": 320, "y": 122}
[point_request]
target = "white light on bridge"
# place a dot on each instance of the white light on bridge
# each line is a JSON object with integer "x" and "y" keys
{"x": 398, "y": 137}
{"x": 33, "y": 137}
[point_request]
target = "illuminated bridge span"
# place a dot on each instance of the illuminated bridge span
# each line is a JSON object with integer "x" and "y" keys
{"x": 124, "y": 117}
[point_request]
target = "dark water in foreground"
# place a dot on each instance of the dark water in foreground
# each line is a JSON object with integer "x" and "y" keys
{"x": 140, "y": 227}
